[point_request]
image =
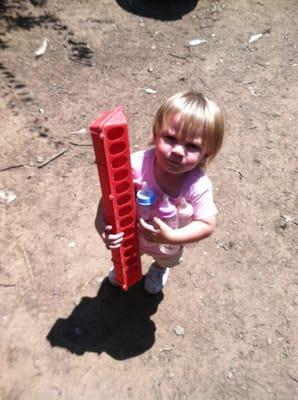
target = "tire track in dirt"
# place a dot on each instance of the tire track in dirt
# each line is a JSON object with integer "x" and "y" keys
{"x": 16, "y": 93}
{"x": 18, "y": 96}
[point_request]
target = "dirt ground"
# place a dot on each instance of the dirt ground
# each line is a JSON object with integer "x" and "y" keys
{"x": 225, "y": 327}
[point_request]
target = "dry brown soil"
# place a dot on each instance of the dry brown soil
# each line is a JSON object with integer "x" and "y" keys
{"x": 65, "y": 333}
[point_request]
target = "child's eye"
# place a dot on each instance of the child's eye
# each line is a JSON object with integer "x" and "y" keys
{"x": 193, "y": 147}
{"x": 169, "y": 138}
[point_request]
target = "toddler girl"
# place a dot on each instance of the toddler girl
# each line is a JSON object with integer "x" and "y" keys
{"x": 188, "y": 132}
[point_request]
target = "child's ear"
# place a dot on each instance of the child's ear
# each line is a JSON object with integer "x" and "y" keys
{"x": 205, "y": 158}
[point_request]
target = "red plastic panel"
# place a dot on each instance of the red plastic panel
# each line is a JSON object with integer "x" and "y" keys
{"x": 110, "y": 139}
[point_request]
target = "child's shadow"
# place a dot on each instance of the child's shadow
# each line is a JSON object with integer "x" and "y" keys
{"x": 114, "y": 321}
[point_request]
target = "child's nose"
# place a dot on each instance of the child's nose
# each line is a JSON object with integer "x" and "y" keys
{"x": 178, "y": 149}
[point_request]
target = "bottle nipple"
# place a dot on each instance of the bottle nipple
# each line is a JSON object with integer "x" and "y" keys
{"x": 144, "y": 187}
{"x": 185, "y": 207}
{"x": 185, "y": 212}
{"x": 183, "y": 203}
{"x": 137, "y": 180}
{"x": 165, "y": 203}
{"x": 166, "y": 208}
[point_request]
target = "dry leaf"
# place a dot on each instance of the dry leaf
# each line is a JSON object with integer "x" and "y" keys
{"x": 196, "y": 42}
{"x": 254, "y": 38}
{"x": 149, "y": 91}
{"x": 42, "y": 49}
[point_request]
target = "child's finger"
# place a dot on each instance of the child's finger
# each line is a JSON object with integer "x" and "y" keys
{"x": 145, "y": 226}
{"x": 160, "y": 224}
{"x": 113, "y": 237}
{"x": 114, "y": 246}
{"x": 112, "y": 243}
{"x": 115, "y": 242}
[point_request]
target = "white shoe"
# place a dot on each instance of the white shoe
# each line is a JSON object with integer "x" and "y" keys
{"x": 155, "y": 279}
{"x": 111, "y": 277}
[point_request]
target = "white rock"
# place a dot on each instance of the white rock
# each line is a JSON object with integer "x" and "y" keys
{"x": 196, "y": 42}
{"x": 42, "y": 49}
{"x": 7, "y": 196}
{"x": 179, "y": 330}
{"x": 149, "y": 90}
{"x": 254, "y": 38}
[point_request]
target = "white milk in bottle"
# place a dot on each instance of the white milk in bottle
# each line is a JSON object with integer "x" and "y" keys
{"x": 167, "y": 212}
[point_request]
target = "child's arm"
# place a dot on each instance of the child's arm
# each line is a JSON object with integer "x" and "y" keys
{"x": 112, "y": 241}
{"x": 193, "y": 232}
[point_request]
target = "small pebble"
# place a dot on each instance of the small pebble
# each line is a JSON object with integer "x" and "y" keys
{"x": 179, "y": 330}
{"x": 39, "y": 159}
{"x": 7, "y": 196}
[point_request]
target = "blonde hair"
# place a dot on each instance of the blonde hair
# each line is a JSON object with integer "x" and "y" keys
{"x": 198, "y": 116}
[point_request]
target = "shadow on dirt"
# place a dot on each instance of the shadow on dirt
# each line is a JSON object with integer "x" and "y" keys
{"x": 115, "y": 322}
{"x": 30, "y": 21}
{"x": 16, "y": 16}
{"x": 164, "y": 10}
{"x": 12, "y": 13}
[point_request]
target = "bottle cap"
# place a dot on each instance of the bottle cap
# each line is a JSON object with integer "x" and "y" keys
{"x": 145, "y": 196}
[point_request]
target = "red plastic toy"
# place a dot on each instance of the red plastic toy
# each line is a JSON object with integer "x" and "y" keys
{"x": 110, "y": 139}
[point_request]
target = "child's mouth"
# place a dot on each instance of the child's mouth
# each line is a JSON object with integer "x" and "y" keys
{"x": 174, "y": 162}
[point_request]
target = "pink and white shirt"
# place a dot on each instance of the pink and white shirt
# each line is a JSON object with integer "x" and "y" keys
{"x": 196, "y": 189}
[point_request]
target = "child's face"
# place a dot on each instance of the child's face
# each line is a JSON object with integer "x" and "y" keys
{"x": 175, "y": 155}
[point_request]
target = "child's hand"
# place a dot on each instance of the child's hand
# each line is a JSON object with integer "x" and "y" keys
{"x": 159, "y": 233}
{"x": 111, "y": 240}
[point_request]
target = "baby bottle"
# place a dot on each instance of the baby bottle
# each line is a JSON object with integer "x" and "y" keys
{"x": 167, "y": 212}
{"x": 185, "y": 213}
{"x": 145, "y": 199}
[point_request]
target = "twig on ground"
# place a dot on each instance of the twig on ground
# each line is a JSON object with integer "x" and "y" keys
{"x": 180, "y": 57}
{"x": 238, "y": 173}
{"x": 264, "y": 65}
{"x": 27, "y": 262}
{"x": 52, "y": 158}
{"x": 82, "y": 131}
{"x": 7, "y": 284}
{"x": 204, "y": 83}
{"x": 293, "y": 377}
{"x": 13, "y": 166}
{"x": 80, "y": 144}
{"x": 220, "y": 244}
{"x": 284, "y": 221}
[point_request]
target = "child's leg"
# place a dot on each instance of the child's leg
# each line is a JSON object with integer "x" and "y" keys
{"x": 158, "y": 273}
{"x": 111, "y": 277}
